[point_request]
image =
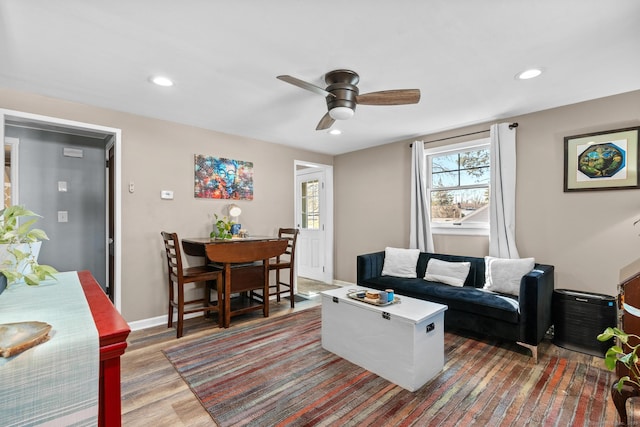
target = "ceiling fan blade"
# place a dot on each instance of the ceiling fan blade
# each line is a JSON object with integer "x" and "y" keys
{"x": 304, "y": 85}
{"x": 390, "y": 97}
{"x": 325, "y": 122}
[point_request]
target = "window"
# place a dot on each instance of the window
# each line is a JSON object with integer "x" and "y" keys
{"x": 458, "y": 178}
{"x": 311, "y": 204}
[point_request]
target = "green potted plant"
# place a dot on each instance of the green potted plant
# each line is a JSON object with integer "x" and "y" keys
{"x": 627, "y": 354}
{"x": 222, "y": 228}
{"x": 20, "y": 245}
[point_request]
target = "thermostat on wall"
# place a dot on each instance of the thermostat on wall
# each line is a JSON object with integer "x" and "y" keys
{"x": 166, "y": 194}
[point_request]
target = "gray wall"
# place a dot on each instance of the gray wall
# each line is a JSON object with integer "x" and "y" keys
{"x": 78, "y": 244}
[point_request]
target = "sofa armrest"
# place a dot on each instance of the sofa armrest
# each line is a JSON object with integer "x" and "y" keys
{"x": 369, "y": 266}
{"x": 536, "y": 294}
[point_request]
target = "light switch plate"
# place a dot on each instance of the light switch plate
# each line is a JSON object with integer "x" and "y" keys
{"x": 63, "y": 216}
{"x": 62, "y": 186}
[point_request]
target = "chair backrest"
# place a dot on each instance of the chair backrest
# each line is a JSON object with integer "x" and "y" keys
{"x": 174, "y": 258}
{"x": 291, "y": 234}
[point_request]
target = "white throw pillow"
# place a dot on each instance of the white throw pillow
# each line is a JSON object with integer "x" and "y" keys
{"x": 504, "y": 275}
{"x": 450, "y": 273}
{"x": 400, "y": 262}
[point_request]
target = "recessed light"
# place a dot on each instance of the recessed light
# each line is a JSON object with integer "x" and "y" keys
{"x": 161, "y": 81}
{"x": 529, "y": 74}
{"x": 335, "y": 131}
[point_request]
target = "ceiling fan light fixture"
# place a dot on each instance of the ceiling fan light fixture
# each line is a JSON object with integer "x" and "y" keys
{"x": 341, "y": 113}
{"x": 342, "y": 95}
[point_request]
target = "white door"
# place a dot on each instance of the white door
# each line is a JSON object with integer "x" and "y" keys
{"x": 310, "y": 220}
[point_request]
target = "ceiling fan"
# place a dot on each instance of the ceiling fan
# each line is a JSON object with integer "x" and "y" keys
{"x": 342, "y": 95}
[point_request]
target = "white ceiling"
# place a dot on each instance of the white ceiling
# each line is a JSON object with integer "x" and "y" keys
{"x": 224, "y": 57}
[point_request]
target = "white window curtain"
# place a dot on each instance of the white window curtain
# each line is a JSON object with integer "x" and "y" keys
{"x": 420, "y": 229}
{"x": 502, "y": 204}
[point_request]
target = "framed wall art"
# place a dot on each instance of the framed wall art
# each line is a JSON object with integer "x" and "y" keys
{"x": 602, "y": 160}
{"x": 221, "y": 178}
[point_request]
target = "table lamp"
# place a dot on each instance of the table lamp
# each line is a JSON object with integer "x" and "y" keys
{"x": 234, "y": 212}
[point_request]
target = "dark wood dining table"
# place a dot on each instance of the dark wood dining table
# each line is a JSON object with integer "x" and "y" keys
{"x": 245, "y": 263}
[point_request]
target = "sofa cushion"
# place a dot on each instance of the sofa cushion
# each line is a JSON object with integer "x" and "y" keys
{"x": 466, "y": 298}
{"x": 400, "y": 262}
{"x": 449, "y": 273}
{"x": 476, "y": 272}
{"x": 504, "y": 275}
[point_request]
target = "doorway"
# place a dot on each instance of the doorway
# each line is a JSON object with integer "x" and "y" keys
{"x": 314, "y": 218}
{"x": 74, "y": 186}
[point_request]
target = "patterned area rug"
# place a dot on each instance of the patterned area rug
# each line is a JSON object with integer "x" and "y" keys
{"x": 276, "y": 373}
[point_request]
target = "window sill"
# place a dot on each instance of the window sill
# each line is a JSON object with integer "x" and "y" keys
{"x": 460, "y": 231}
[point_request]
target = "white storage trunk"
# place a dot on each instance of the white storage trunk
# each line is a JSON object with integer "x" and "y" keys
{"x": 403, "y": 343}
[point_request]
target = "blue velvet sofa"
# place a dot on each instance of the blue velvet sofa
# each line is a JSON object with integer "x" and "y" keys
{"x": 523, "y": 319}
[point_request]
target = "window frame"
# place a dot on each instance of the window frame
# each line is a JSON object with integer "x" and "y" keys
{"x": 474, "y": 229}
{"x": 307, "y": 199}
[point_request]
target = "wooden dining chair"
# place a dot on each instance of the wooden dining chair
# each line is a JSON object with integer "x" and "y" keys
{"x": 283, "y": 262}
{"x": 179, "y": 276}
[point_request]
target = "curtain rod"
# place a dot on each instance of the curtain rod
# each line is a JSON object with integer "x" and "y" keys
{"x": 511, "y": 126}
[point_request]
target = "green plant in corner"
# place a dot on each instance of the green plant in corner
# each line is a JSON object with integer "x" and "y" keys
{"x": 17, "y": 241}
{"x": 616, "y": 353}
{"x": 627, "y": 354}
{"x": 221, "y": 228}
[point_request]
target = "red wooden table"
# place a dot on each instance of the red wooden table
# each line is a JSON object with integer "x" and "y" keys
{"x": 113, "y": 331}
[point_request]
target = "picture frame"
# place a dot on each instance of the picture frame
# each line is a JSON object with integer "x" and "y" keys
{"x": 222, "y": 178}
{"x": 605, "y": 160}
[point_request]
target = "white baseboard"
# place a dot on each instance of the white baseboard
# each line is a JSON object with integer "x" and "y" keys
{"x": 343, "y": 283}
{"x": 162, "y": 320}
{"x": 156, "y": 321}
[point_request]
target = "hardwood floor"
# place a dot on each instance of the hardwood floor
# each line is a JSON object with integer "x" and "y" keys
{"x": 309, "y": 288}
{"x": 154, "y": 394}
{"x": 152, "y": 391}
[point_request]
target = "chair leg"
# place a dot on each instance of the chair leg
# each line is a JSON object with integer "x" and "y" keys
{"x": 219, "y": 285}
{"x": 180, "y": 311}
{"x": 278, "y": 285}
{"x": 291, "y": 286}
{"x": 170, "y": 313}
{"x": 206, "y": 299}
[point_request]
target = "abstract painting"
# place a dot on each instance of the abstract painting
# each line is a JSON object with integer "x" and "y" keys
{"x": 221, "y": 178}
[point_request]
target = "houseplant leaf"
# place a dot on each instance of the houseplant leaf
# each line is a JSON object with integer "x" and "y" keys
{"x": 19, "y": 242}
